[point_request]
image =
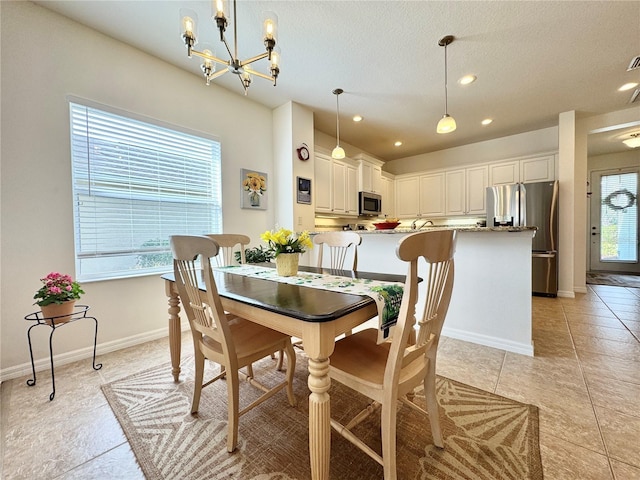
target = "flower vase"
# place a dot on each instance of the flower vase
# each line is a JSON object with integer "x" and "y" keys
{"x": 287, "y": 264}
{"x": 62, "y": 311}
{"x": 254, "y": 199}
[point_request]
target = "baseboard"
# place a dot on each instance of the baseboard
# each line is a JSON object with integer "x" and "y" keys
{"x": 569, "y": 293}
{"x": 18, "y": 371}
{"x": 515, "y": 347}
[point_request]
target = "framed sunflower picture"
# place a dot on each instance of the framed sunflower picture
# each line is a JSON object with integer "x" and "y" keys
{"x": 254, "y": 189}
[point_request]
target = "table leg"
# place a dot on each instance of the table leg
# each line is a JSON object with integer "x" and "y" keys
{"x": 175, "y": 332}
{"x": 319, "y": 418}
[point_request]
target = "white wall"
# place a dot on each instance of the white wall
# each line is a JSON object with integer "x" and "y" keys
{"x": 46, "y": 57}
{"x": 529, "y": 143}
{"x": 328, "y": 143}
{"x": 293, "y": 126}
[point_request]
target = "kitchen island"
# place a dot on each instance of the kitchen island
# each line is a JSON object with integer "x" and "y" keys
{"x": 491, "y": 299}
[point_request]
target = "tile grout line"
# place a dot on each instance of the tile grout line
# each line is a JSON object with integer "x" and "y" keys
{"x": 586, "y": 384}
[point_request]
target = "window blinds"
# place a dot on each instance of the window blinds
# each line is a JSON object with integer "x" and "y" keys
{"x": 135, "y": 184}
{"x": 619, "y": 218}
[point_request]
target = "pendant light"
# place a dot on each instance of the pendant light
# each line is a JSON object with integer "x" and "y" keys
{"x": 447, "y": 123}
{"x": 338, "y": 152}
{"x": 633, "y": 142}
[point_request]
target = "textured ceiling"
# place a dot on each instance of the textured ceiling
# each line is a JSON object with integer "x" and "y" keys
{"x": 533, "y": 61}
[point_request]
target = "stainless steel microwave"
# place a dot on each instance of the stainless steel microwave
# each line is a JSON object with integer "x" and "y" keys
{"x": 370, "y": 204}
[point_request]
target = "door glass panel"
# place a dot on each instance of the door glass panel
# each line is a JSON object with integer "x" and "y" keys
{"x": 619, "y": 218}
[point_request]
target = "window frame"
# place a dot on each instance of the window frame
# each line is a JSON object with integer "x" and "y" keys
{"x": 153, "y": 186}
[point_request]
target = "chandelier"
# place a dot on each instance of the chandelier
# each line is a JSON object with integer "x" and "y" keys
{"x": 189, "y": 22}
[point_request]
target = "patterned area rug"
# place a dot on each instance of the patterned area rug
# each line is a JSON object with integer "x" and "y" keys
{"x": 486, "y": 436}
{"x": 631, "y": 281}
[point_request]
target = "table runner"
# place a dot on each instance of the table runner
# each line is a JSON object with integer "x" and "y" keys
{"x": 387, "y": 295}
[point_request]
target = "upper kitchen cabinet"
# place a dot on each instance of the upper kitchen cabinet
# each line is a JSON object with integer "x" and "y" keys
{"x": 420, "y": 196}
{"x": 525, "y": 170}
{"x": 465, "y": 190}
{"x": 432, "y": 200}
{"x": 370, "y": 171}
{"x": 407, "y": 196}
{"x": 323, "y": 181}
{"x": 388, "y": 195}
{"x": 336, "y": 189}
{"x": 538, "y": 169}
{"x": 477, "y": 179}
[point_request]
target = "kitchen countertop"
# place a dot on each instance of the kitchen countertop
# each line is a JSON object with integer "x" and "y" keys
{"x": 460, "y": 228}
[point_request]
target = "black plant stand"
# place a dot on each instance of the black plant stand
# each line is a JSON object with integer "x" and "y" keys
{"x": 80, "y": 312}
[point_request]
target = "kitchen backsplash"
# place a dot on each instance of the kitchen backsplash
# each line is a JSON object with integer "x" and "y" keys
{"x": 327, "y": 224}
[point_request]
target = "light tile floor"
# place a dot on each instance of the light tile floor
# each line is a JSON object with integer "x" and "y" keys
{"x": 585, "y": 378}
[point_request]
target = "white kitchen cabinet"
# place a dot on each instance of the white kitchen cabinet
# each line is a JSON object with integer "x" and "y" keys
{"x": 525, "y": 170}
{"x": 539, "y": 169}
{"x": 339, "y": 186}
{"x": 388, "y": 196}
{"x": 477, "y": 180}
{"x": 322, "y": 174}
{"x": 504, "y": 173}
{"x": 407, "y": 196}
{"x": 432, "y": 195}
{"x": 420, "y": 196}
{"x": 455, "y": 192}
{"x": 370, "y": 174}
{"x": 351, "y": 191}
{"x": 336, "y": 189}
{"x": 466, "y": 191}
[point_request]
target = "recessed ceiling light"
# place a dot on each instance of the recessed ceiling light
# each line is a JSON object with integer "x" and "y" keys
{"x": 357, "y": 118}
{"x": 467, "y": 79}
{"x": 627, "y": 86}
{"x": 486, "y": 121}
{"x": 398, "y": 143}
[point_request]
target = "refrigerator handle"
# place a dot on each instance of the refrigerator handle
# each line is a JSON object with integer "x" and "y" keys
{"x": 522, "y": 207}
{"x": 543, "y": 255}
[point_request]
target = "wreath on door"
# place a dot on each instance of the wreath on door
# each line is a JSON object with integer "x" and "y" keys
{"x": 613, "y": 196}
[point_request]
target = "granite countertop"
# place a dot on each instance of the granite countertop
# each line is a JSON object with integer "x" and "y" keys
{"x": 460, "y": 228}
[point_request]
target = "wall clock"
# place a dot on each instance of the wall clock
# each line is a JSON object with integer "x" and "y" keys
{"x": 303, "y": 152}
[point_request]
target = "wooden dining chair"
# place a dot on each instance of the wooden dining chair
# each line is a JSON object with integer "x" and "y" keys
{"x": 392, "y": 370}
{"x": 339, "y": 244}
{"x": 226, "y": 256}
{"x": 231, "y": 341}
{"x": 227, "y": 243}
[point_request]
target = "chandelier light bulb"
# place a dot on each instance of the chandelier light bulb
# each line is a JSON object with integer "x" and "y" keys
{"x": 219, "y": 9}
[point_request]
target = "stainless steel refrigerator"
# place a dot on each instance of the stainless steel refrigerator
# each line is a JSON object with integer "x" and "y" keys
{"x": 531, "y": 204}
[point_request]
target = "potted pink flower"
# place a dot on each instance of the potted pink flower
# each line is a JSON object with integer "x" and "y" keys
{"x": 57, "y": 296}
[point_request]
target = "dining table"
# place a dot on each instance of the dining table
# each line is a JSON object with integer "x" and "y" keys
{"x": 314, "y": 315}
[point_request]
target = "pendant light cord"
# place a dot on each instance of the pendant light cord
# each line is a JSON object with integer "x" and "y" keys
{"x": 446, "y": 93}
{"x": 338, "y": 118}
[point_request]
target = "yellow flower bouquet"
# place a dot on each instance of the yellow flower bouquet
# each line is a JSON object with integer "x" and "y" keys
{"x": 287, "y": 241}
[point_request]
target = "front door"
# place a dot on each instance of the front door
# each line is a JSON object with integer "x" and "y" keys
{"x": 614, "y": 221}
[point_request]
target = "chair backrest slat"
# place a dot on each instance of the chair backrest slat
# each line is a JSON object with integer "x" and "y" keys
{"x": 437, "y": 249}
{"x": 339, "y": 245}
{"x": 227, "y": 243}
